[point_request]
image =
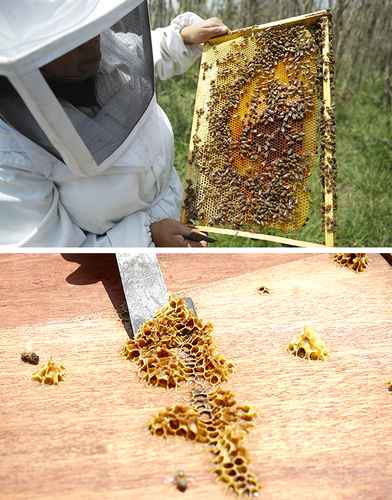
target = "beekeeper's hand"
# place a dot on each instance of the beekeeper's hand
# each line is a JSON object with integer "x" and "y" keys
{"x": 202, "y": 32}
{"x": 170, "y": 233}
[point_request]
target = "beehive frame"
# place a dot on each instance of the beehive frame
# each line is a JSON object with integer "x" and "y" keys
{"x": 322, "y": 121}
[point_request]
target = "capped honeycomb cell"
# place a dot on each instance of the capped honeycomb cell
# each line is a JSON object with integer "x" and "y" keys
{"x": 175, "y": 347}
{"x": 308, "y": 345}
{"x": 260, "y": 127}
{"x": 49, "y": 373}
{"x": 358, "y": 262}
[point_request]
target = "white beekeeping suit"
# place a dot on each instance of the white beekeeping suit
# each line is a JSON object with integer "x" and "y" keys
{"x": 90, "y": 176}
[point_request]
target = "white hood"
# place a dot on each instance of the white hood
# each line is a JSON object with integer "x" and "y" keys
{"x": 126, "y": 74}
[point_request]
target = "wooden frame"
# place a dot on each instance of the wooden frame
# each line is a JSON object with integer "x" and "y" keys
{"x": 257, "y": 236}
{"x": 327, "y": 101}
{"x": 326, "y": 97}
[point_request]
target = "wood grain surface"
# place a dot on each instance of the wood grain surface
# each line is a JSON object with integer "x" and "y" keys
{"x": 324, "y": 429}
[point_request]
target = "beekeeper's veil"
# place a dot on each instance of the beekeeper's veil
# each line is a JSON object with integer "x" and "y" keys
{"x": 85, "y": 122}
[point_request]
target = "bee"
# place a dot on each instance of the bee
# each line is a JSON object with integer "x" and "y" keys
{"x": 180, "y": 480}
{"x": 30, "y": 357}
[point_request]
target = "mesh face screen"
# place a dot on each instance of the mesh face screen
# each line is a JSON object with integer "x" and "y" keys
{"x": 256, "y": 127}
{"x": 112, "y": 88}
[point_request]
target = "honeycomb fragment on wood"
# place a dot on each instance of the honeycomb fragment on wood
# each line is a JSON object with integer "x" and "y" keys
{"x": 176, "y": 347}
{"x": 232, "y": 463}
{"x": 214, "y": 418}
{"x": 178, "y": 420}
{"x": 358, "y": 262}
{"x": 49, "y": 373}
{"x": 308, "y": 345}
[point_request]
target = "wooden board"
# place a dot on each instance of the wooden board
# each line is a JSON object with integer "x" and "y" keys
{"x": 324, "y": 430}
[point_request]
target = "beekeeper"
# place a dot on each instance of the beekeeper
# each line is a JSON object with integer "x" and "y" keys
{"x": 86, "y": 153}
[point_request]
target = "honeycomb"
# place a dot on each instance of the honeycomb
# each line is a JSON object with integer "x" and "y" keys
{"x": 178, "y": 420}
{"x": 308, "y": 345}
{"x": 175, "y": 347}
{"x": 214, "y": 418}
{"x": 49, "y": 373}
{"x": 257, "y": 129}
{"x": 358, "y": 262}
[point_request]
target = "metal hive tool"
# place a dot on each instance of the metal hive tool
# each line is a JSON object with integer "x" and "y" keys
{"x": 263, "y": 118}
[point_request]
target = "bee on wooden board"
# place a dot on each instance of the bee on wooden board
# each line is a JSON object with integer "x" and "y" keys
{"x": 30, "y": 357}
{"x": 180, "y": 480}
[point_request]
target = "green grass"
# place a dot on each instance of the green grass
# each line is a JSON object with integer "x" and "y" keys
{"x": 364, "y": 157}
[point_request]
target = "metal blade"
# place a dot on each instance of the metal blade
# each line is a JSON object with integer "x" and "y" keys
{"x": 144, "y": 288}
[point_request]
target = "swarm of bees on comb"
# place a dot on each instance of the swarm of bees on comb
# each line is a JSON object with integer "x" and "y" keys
{"x": 257, "y": 129}
{"x": 308, "y": 345}
{"x": 358, "y": 262}
{"x": 177, "y": 347}
{"x": 49, "y": 373}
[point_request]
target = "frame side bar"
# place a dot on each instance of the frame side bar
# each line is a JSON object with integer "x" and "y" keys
{"x": 327, "y": 102}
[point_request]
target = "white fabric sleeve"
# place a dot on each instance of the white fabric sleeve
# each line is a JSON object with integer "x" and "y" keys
{"x": 31, "y": 213}
{"x": 135, "y": 230}
{"x": 171, "y": 55}
{"x": 168, "y": 205}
